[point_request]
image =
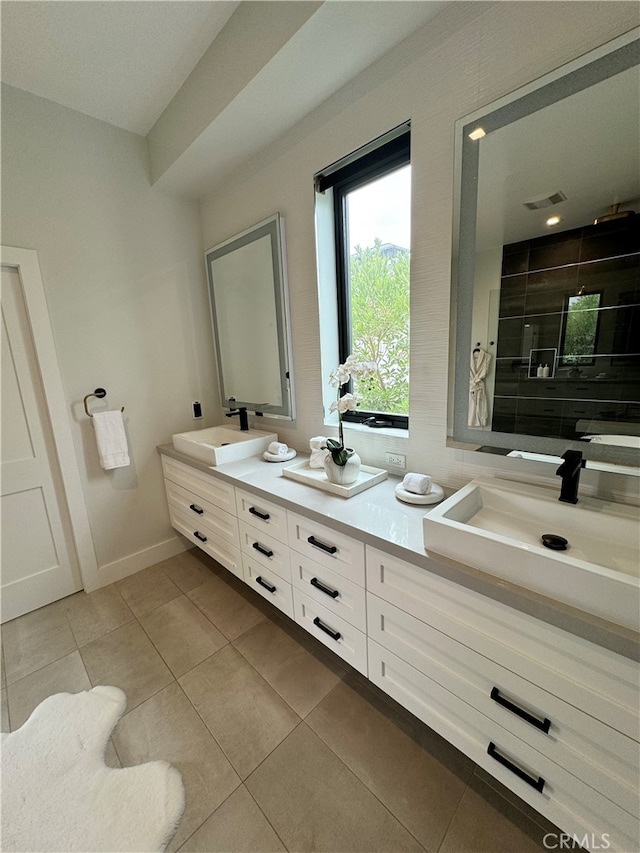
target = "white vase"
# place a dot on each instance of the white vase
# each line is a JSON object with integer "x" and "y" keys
{"x": 342, "y": 475}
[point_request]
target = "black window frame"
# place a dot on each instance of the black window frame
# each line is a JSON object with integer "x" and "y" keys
{"x": 386, "y": 158}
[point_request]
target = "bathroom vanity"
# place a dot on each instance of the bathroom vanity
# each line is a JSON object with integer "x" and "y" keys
{"x": 541, "y": 695}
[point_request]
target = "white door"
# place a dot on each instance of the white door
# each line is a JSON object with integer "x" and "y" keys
{"x": 39, "y": 563}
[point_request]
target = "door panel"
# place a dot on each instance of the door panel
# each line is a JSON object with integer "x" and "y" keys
{"x": 39, "y": 564}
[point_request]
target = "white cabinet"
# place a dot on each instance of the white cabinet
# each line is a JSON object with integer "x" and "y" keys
{"x": 265, "y": 563}
{"x": 551, "y": 715}
{"x": 328, "y": 588}
{"x": 203, "y": 510}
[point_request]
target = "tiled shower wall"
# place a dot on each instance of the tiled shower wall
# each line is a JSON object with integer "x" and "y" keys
{"x": 591, "y": 392}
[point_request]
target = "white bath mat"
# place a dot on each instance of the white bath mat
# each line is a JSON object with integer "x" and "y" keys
{"x": 58, "y": 794}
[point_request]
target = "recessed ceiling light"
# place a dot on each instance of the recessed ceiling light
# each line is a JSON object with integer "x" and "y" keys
{"x": 553, "y": 220}
{"x": 478, "y": 133}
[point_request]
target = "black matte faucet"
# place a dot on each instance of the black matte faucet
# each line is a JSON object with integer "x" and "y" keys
{"x": 570, "y": 473}
{"x": 244, "y": 421}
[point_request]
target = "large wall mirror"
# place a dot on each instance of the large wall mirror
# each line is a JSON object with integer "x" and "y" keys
{"x": 546, "y": 300}
{"x": 249, "y": 309}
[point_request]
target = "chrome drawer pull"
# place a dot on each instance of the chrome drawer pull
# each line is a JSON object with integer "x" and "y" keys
{"x": 262, "y": 550}
{"x": 525, "y": 715}
{"x": 265, "y": 584}
{"x": 335, "y": 635}
{"x": 196, "y": 508}
{"x": 334, "y": 593}
{"x": 330, "y": 549}
{"x": 199, "y": 536}
{"x": 263, "y": 515}
{"x": 538, "y": 783}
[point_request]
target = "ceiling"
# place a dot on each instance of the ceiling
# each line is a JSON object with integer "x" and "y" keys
{"x": 121, "y": 62}
{"x": 126, "y": 62}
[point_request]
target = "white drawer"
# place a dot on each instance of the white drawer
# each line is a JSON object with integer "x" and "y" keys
{"x": 330, "y": 589}
{"x": 202, "y": 485}
{"x": 270, "y": 585}
{"x": 336, "y": 633}
{"x": 596, "y": 753}
{"x": 262, "y": 514}
{"x": 565, "y": 800}
{"x": 220, "y": 540}
{"x": 192, "y": 506}
{"x": 581, "y": 673}
{"x": 334, "y": 550}
{"x": 266, "y": 550}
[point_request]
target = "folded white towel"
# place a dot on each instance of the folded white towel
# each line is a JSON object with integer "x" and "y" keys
{"x": 316, "y": 460}
{"x": 317, "y": 441}
{"x": 111, "y": 439}
{"x": 419, "y": 484}
{"x": 278, "y": 448}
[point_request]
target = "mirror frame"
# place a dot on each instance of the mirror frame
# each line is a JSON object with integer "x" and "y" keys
{"x": 273, "y": 227}
{"x": 611, "y": 58}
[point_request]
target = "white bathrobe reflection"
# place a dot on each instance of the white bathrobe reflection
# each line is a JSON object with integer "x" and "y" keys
{"x": 479, "y": 368}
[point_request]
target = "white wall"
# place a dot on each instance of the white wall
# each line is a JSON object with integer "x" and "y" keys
{"x": 469, "y": 55}
{"x": 123, "y": 271}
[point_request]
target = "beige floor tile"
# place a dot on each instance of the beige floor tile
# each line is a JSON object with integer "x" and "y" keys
{"x": 314, "y": 802}
{"x": 186, "y": 570}
{"x": 97, "y": 613}
{"x": 127, "y": 659}
{"x": 244, "y": 714}
{"x": 166, "y": 727}
{"x": 66, "y": 675}
{"x": 385, "y": 752}
{"x": 4, "y": 712}
{"x": 36, "y": 639}
{"x": 238, "y": 826}
{"x": 229, "y": 610}
{"x": 182, "y": 634}
{"x": 3, "y": 680}
{"x": 147, "y": 589}
{"x": 299, "y": 676}
{"x": 486, "y": 823}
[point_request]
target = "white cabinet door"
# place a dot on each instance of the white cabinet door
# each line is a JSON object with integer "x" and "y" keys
{"x": 39, "y": 563}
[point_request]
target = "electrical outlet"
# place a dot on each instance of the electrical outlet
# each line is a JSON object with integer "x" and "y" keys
{"x": 197, "y": 410}
{"x": 398, "y": 460}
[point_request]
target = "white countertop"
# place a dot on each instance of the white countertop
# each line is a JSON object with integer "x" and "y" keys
{"x": 378, "y": 518}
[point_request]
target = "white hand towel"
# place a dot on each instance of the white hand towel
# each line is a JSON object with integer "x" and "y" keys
{"x": 419, "y": 484}
{"x": 316, "y": 460}
{"x": 111, "y": 439}
{"x": 317, "y": 441}
{"x": 278, "y": 448}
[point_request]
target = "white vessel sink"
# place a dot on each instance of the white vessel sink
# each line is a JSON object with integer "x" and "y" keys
{"x": 220, "y": 444}
{"x": 496, "y": 525}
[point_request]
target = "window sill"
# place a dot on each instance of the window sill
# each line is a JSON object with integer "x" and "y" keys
{"x": 391, "y": 432}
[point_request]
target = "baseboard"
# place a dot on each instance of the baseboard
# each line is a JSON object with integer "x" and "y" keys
{"x": 132, "y": 563}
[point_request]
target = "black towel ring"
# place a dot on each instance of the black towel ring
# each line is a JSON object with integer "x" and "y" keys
{"x": 99, "y": 392}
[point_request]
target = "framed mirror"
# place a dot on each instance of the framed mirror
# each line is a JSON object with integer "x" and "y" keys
{"x": 546, "y": 297}
{"x": 249, "y": 311}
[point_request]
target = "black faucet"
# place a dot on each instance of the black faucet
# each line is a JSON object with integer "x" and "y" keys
{"x": 244, "y": 421}
{"x": 570, "y": 473}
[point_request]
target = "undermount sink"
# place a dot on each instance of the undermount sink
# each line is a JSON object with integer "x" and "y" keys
{"x": 219, "y": 444}
{"x": 496, "y": 526}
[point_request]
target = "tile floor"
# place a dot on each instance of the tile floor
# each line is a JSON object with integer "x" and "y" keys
{"x": 281, "y": 746}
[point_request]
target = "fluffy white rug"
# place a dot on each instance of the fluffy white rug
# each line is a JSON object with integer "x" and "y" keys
{"x": 58, "y": 794}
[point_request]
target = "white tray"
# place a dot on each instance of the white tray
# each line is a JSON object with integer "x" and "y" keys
{"x": 318, "y": 479}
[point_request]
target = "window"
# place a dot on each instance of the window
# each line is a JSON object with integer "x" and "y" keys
{"x": 372, "y": 214}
